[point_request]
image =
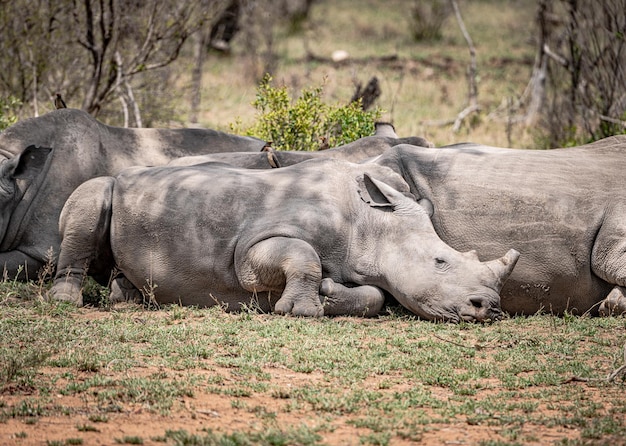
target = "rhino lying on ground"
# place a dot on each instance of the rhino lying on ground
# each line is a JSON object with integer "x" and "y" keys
{"x": 35, "y": 182}
{"x": 283, "y": 238}
{"x": 564, "y": 210}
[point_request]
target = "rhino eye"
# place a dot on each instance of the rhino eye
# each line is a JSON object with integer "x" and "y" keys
{"x": 441, "y": 264}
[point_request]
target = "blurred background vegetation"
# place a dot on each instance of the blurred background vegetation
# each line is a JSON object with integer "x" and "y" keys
{"x": 529, "y": 73}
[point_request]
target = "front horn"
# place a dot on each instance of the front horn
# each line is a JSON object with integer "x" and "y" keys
{"x": 503, "y": 267}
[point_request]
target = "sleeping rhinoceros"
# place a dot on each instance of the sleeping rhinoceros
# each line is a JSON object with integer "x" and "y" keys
{"x": 70, "y": 147}
{"x": 564, "y": 210}
{"x": 359, "y": 150}
{"x": 214, "y": 234}
{"x": 34, "y": 184}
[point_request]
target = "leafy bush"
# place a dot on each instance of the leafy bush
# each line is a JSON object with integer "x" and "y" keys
{"x": 306, "y": 122}
{"x": 7, "y": 111}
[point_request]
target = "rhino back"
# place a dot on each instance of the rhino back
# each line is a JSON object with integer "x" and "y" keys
{"x": 355, "y": 151}
{"x": 548, "y": 205}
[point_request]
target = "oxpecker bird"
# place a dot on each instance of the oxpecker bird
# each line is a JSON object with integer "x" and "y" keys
{"x": 59, "y": 102}
{"x": 324, "y": 145}
{"x": 271, "y": 157}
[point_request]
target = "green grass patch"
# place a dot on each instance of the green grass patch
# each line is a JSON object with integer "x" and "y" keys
{"x": 389, "y": 378}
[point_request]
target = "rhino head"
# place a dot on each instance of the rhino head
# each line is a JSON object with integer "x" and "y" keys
{"x": 17, "y": 175}
{"x": 426, "y": 275}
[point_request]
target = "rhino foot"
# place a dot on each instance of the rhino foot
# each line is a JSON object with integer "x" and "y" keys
{"x": 364, "y": 300}
{"x": 122, "y": 290}
{"x": 615, "y": 303}
{"x": 67, "y": 289}
{"x": 298, "y": 307}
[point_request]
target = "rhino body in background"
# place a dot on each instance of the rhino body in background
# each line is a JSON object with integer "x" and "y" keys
{"x": 564, "y": 210}
{"x": 359, "y": 150}
{"x": 282, "y": 239}
{"x": 75, "y": 147}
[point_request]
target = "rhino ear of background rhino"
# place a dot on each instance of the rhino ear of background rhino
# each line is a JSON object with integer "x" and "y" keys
{"x": 379, "y": 194}
{"x": 29, "y": 163}
{"x": 428, "y": 206}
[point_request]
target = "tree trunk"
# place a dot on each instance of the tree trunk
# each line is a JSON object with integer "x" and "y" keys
{"x": 200, "y": 39}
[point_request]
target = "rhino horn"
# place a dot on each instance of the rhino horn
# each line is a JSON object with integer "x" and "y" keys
{"x": 503, "y": 267}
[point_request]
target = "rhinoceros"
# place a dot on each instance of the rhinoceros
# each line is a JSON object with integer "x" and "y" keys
{"x": 359, "y": 150}
{"x": 35, "y": 183}
{"x": 44, "y": 159}
{"x": 319, "y": 237}
{"x": 564, "y": 210}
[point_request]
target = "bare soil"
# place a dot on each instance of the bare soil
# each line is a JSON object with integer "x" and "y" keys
{"x": 206, "y": 410}
{"x": 210, "y": 411}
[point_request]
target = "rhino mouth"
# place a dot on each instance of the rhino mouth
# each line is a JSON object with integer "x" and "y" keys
{"x": 471, "y": 315}
{"x": 489, "y": 315}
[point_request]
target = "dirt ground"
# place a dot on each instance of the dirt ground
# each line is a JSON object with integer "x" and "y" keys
{"x": 77, "y": 419}
{"x": 215, "y": 412}
{"x": 207, "y": 411}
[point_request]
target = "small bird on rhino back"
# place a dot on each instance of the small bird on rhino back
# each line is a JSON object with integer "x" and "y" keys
{"x": 59, "y": 102}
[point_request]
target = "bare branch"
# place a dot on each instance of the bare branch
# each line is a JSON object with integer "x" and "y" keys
{"x": 464, "y": 114}
{"x": 612, "y": 120}
{"x": 438, "y": 122}
{"x": 146, "y": 47}
{"x": 473, "y": 88}
{"x": 472, "y": 106}
{"x": 556, "y": 57}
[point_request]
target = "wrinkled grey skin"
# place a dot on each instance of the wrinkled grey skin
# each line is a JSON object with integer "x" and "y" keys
{"x": 359, "y": 150}
{"x": 33, "y": 188}
{"x": 564, "y": 210}
{"x": 281, "y": 238}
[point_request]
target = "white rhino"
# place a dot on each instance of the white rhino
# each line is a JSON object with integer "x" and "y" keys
{"x": 43, "y": 159}
{"x": 564, "y": 210}
{"x": 70, "y": 147}
{"x": 281, "y": 238}
{"x": 355, "y": 151}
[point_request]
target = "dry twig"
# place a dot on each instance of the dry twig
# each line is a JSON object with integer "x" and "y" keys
{"x": 452, "y": 342}
{"x": 472, "y": 105}
{"x": 620, "y": 370}
{"x": 473, "y": 87}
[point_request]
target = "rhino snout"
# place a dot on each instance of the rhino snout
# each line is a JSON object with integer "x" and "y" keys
{"x": 481, "y": 308}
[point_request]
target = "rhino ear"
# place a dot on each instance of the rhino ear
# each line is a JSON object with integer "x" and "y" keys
{"x": 379, "y": 194}
{"x": 428, "y": 206}
{"x": 29, "y": 163}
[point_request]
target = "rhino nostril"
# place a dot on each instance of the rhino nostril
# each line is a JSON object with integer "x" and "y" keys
{"x": 477, "y": 302}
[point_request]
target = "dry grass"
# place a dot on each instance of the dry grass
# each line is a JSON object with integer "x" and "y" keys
{"x": 426, "y": 82}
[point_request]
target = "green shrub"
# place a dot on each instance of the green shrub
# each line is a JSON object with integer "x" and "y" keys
{"x": 7, "y": 111}
{"x": 307, "y": 122}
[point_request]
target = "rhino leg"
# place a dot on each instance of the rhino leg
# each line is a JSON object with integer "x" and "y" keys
{"x": 18, "y": 265}
{"x": 615, "y": 303}
{"x": 122, "y": 290}
{"x": 84, "y": 227}
{"x": 608, "y": 259}
{"x": 364, "y": 300}
{"x": 280, "y": 261}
